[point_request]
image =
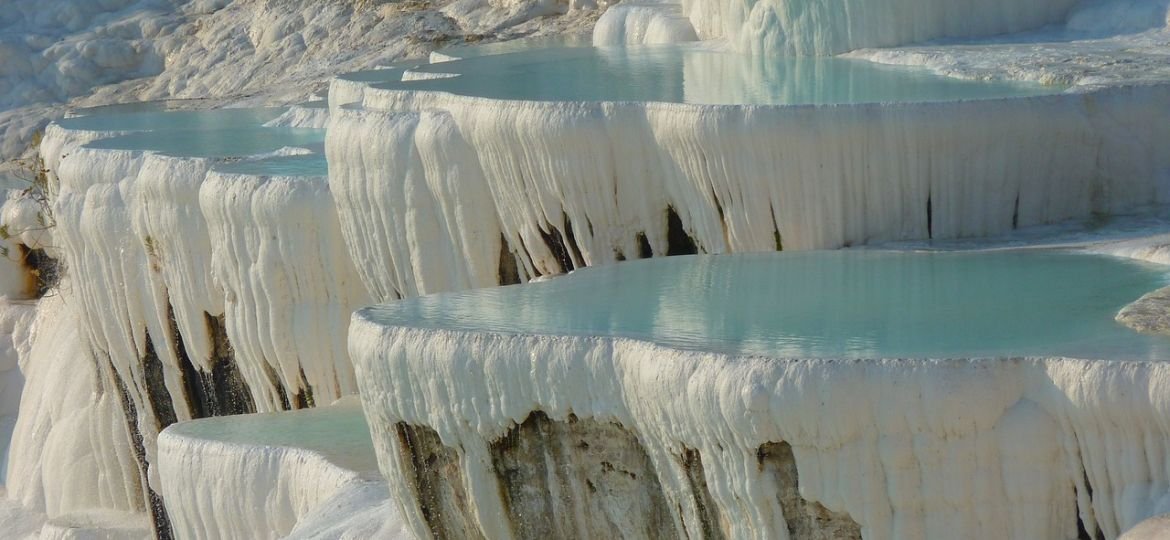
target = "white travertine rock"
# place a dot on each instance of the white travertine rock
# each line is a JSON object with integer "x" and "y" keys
{"x": 643, "y": 24}
{"x": 288, "y": 283}
{"x": 963, "y": 448}
{"x": 1150, "y": 313}
{"x": 311, "y": 474}
{"x": 71, "y": 449}
{"x": 816, "y": 27}
{"x": 740, "y": 178}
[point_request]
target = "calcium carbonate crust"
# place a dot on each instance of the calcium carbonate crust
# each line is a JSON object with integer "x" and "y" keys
{"x": 142, "y": 234}
{"x": 604, "y": 178}
{"x": 1027, "y": 448}
{"x": 827, "y": 27}
{"x": 287, "y": 483}
{"x": 195, "y": 294}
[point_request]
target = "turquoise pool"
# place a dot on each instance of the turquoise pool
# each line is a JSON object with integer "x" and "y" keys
{"x": 692, "y": 73}
{"x": 833, "y": 304}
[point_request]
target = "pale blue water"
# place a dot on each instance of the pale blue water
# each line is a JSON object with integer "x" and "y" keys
{"x": 338, "y": 432}
{"x": 300, "y": 165}
{"x": 834, "y": 304}
{"x": 153, "y": 116}
{"x": 215, "y": 142}
{"x": 192, "y": 133}
{"x": 694, "y": 74}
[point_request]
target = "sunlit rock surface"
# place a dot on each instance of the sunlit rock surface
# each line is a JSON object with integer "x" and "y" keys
{"x": 72, "y": 451}
{"x": 1150, "y": 313}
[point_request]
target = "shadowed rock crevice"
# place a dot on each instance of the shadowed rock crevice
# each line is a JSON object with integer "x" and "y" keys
{"x": 777, "y": 238}
{"x": 929, "y": 218}
{"x": 221, "y": 392}
{"x": 438, "y": 483}
{"x": 274, "y": 381}
{"x": 579, "y": 478}
{"x": 806, "y": 520}
{"x": 1016, "y": 213}
{"x": 508, "y": 273}
{"x": 156, "y": 388}
{"x": 575, "y": 257}
{"x": 160, "y": 522}
{"x": 678, "y": 241}
{"x": 559, "y": 248}
{"x": 709, "y": 519}
{"x": 304, "y": 397}
{"x": 645, "y": 251}
{"x": 1082, "y": 531}
{"x": 41, "y": 271}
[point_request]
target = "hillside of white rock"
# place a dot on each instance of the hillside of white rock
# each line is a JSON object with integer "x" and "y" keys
{"x": 161, "y": 276}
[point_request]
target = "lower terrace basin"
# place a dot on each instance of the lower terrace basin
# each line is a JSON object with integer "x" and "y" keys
{"x": 809, "y": 395}
{"x": 163, "y": 116}
{"x": 687, "y": 149}
{"x": 231, "y": 141}
{"x": 163, "y": 126}
{"x": 282, "y": 468}
{"x": 829, "y": 304}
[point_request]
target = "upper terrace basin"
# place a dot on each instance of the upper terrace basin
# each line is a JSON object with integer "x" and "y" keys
{"x": 282, "y": 468}
{"x": 695, "y": 73}
{"x": 159, "y": 116}
{"x": 571, "y": 157}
